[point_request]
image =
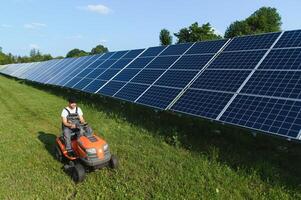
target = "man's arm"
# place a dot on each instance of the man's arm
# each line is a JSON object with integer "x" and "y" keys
{"x": 81, "y": 119}
{"x": 66, "y": 123}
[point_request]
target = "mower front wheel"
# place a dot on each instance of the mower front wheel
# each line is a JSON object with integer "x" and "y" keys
{"x": 78, "y": 173}
{"x": 113, "y": 162}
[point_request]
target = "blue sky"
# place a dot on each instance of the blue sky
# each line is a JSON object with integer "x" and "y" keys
{"x": 58, "y": 26}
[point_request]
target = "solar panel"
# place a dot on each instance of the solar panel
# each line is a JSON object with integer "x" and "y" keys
{"x": 221, "y": 80}
{"x": 176, "y": 49}
{"x": 131, "y": 91}
{"x": 285, "y": 84}
{"x": 271, "y": 115}
{"x": 237, "y": 60}
{"x": 94, "y": 86}
{"x": 176, "y": 78}
{"x": 203, "y": 103}
{"x": 263, "y": 41}
{"x": 154, "y": 98}
{"x": 126, "y": 75}
{"x": 147, "y": 76}
{"x": 140, "y": 62}
{"x": 290, "y": 39}
{"x": 206, "y": 47}
{"x": 153, "y": 51}
{"x": 282, "y": 59}
{"x": 111, "y": 88}
{"x": 162, "y": 62}
{"x": 195, "y": 62}
{"x": 249, "y": 81}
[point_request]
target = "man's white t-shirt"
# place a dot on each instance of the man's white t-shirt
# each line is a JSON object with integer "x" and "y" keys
{"x": 72, "y": 111}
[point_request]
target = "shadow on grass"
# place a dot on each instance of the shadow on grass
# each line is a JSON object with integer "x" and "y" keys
{"x": 275, "y": 160}
{"x": 48, "y": 139}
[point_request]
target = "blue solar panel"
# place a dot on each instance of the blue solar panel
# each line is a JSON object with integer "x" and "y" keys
{"x": 95, "y": 73}
{"x": 126, "y": 74}
{"x": 178, "y": 49}
{"x": 121, "y": 63}
{"x": 133, "y": 53}
{"x": 140, "y": 62}
{"x": 192, "y": 62}
{"x": 266, "y": 114}
{"x": 72, "y": 82}
{"x": 282, "y": 59}
{"x": 82, "y": 84}
{"x": 176, "y": 78}
{"x": 192, "y": 78}
{"x": 263, "y": 41}
{"x": 108, "y": 74}
{"x": 206, "y": 47}
{"x": 237, "y": 60}
{"x": 162, "y": 62}
{"x": 74, "y": 70}
{"x": 107, "y": 64}
{"x": 153, "y": 51}
{"x": 221, "y": 80}
{"x": 275, "y": 83}
{"x": 147, "y": 76}
{"x": 131, "y": 91}
{"x": 97, "y": 63}
{"x": 111, "y": 88}
{"x": 94, "y": 86}
{"x": 118, "y": 54}
{"x": 107, "y": 55}
{"x": 85, "y": 72}
{"x": 206, "y": 104}
{"x": 289, "y": 39}
{"x": 158, "y": 97}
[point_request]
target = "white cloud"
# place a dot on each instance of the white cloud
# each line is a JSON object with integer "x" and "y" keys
{"x": 34, "y": 46}
{"x": 6, "y": 26}
{"x": 34, "y": 25}
{"x": 98, "y": 8}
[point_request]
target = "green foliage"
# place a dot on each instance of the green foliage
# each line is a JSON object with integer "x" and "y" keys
{"x": 76, "y": 53}
{"x": 264, "y": 20}
{"x": 195, "y": 33}
{"x": 99, "y": 49}
{"x": 165, "y": 37}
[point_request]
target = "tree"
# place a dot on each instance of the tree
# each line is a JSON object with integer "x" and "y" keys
{"x": 165, "y": 37}
{"x": 195, "y": 33}
{"x": 99, "y": 49}
{"x": 76, "y": 53}
{"x": 264, "y": 20}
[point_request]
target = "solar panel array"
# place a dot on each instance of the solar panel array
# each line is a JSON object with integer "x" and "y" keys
{"x": 250, "y": 81}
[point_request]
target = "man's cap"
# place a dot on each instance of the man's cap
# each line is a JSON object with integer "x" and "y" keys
{"x": 72, "y": 100}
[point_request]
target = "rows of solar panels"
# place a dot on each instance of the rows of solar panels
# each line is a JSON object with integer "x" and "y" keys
{"x": 251, "y": 81}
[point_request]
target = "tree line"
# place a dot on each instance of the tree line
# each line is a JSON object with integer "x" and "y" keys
{"x": 264, "y": 20}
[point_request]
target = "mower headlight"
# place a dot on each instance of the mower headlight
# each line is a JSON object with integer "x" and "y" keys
{"x": 91, "y": 151}
{"x": 105, "y": 147}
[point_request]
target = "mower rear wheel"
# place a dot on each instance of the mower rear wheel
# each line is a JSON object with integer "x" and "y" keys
{"x": 58, "y": 154}
{"x": 78, "y": 173}
{"x": 113, "y": 162}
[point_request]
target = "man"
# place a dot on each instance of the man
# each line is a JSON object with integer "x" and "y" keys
{"x": 70, "y": 115}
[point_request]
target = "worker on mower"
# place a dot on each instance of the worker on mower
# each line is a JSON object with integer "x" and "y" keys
{"x": 71, "y": 115}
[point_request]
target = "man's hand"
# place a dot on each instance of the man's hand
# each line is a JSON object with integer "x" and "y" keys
{"x": 73, "y": 126}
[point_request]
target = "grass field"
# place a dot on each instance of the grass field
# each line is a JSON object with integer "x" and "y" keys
{"x": 162, "y": 155}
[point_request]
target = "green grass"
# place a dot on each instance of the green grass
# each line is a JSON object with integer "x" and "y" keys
{"x": 162, "y": 155}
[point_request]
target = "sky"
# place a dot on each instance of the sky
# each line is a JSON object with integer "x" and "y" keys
{"x": 58, "y": 26}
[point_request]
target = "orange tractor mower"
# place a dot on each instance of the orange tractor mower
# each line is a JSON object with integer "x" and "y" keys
{"x": 90, "y": 153}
